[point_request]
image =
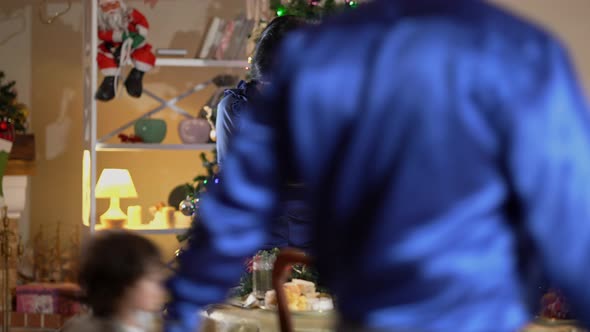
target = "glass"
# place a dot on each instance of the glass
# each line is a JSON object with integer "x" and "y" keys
{"x": 262, "y": 265}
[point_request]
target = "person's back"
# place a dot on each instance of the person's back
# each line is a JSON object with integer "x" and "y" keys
{"x": 413, "y": 190}
{"x": 429, "y": 134}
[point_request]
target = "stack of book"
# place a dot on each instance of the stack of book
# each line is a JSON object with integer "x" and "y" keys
{"x": 226, "y": 39}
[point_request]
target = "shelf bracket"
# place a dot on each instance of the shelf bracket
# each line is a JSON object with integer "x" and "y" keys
{"x": 171, "y": 103}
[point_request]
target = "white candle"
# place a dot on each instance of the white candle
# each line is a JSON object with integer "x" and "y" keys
{"x": 168, "y": 212}
{"x": 134, "y": 215}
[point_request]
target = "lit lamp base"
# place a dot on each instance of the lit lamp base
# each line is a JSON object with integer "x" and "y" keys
{"x": 114, "y": 217}
{"x": 113, "y": 223}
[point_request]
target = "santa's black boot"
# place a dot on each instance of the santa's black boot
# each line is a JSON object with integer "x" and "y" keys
{"x": 134, "y": 83}
{"x": 106, "y": 91}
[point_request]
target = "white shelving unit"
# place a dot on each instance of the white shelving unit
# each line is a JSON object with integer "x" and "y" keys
{"x": 182, "y": 62}
{"x": 94, "y": 144}
{"x": 148, "y": 230}
{"x": 153, "y": 147}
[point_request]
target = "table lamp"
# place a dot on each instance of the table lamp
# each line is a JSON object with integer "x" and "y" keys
{"x": 115, "y": 184}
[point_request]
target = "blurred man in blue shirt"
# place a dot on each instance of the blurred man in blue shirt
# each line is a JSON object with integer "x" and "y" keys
{"x": 443, "y": 144}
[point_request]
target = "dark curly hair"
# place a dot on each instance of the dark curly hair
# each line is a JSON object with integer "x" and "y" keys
{"x": 270, "y": 39}
{"x": 112, "y": 262}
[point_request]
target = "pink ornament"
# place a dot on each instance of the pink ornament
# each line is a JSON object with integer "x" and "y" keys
{"x": 194, "y": 131}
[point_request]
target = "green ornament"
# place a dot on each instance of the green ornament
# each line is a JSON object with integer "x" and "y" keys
{"x": 281, "y": 11}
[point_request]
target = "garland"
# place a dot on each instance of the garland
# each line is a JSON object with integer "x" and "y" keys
{"x": 311, "y": 10}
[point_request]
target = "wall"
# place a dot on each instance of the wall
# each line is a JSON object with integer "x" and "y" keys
{"x": 46, "y": 61}
{"x": 566, "y": 19}
{"x": 15, "y": 62}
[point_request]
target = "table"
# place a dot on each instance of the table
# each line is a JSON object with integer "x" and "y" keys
{"x": 229, "y": 318}
{"x": 538, "y": 327}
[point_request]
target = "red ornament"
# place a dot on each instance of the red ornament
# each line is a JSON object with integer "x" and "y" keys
{"x": 130, "y": 138}
{"x": 554, "y": 305}
{"x": 3, "y": 125}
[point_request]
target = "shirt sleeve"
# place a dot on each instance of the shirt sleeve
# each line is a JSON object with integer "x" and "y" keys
{"x": 235, "y": 214}
{"x": 226, "y": 126}
{"x": 549, "y": 164}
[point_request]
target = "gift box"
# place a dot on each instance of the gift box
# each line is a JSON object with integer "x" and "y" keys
{"x": 48, "y": 298}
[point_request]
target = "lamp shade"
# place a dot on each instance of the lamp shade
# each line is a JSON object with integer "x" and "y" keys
{"x": 115, "y": 182}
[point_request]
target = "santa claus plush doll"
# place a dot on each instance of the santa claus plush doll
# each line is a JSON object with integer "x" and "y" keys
{"x": 122, "y": 32}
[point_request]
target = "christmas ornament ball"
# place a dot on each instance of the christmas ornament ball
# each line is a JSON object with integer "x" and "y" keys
{"x": 187, "y": 207}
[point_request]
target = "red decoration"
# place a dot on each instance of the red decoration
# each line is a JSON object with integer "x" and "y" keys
{"x": 7, "y": 130}
{"x": 122, "y": 32}
{"x": 130, "y": 138}
{"x": 113, "y": 35}
{"x": 554, "y": 306}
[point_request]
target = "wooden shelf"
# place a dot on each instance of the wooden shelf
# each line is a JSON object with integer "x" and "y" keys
{"x": 154, "y": 147}
{"x": 20, "y": 167}
{"x": 147, "y": 230}
{"x": 186, "y": 62}
{"x": 154, "y": 231}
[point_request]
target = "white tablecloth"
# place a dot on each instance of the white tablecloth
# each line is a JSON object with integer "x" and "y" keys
{"x": 228, "y": 318}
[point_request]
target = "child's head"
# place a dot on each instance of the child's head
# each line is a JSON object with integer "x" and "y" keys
{"x": 122, "y": 272}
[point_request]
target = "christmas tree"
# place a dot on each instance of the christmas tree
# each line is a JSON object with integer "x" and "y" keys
{"x": 196, "y": 188}
{"x": 13, "y": 115}
{"x": 13, "y": 118}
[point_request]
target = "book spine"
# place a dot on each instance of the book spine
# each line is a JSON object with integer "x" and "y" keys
{"x": 225, "y": 40}
{"x": 234, "y": 44}
{"x": 209, "y": 39}
{"x": 217, "y": 39}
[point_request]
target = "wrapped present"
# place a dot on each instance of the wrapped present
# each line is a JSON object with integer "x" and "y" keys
{"x": 48, "y": 298}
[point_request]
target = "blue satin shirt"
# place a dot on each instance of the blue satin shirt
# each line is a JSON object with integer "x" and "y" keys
{"x": 446, "y": 150}
{"x": 292, "y": 226}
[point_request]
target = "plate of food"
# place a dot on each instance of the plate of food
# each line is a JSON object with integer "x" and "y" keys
{"x": 302, "y": 297}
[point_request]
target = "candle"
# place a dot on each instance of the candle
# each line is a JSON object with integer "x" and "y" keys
{"x": 134, "y": 216}
{"x": 168, "y": 212}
